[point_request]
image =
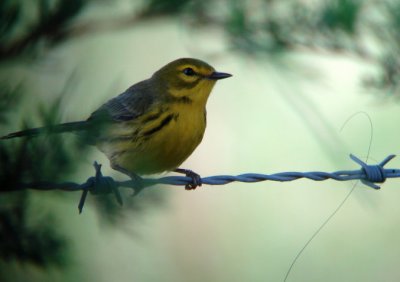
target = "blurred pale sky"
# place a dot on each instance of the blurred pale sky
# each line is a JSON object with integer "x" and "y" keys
{"x": 271, "y": 116}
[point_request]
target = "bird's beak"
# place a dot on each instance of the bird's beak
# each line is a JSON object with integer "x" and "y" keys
{"x": 219, "y": 75}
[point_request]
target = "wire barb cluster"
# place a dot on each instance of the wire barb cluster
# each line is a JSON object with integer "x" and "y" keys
{"x": 99, "y": 184}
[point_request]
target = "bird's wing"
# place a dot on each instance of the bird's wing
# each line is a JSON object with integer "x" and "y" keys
{"x": 127, "y": 106}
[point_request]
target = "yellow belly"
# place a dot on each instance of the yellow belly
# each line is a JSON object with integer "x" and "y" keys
{"x": 163, "y": 150}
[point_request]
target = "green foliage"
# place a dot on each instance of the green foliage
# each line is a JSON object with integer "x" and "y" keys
{"x": 341, "y": 14}
{"x": 57, "y": 154}
{"x": 49, "y": 24}
{"x": 254, "y": 27}
{"x": 274, "y": 27}
{"x": 162, "y": 7}
{"x": 57, "y": 15}
{"x": 9, "y": 99}
{"x": 39, "y": 243}
{"x": 20, "y": 161}
{"x": 10, "y": 14}
{"x": 252, "y": 35}
{"x": 112, "y": 214}
{"x": 237, "y": 26}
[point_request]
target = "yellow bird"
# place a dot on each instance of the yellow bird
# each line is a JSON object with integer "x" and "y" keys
{"x": 154, "y": 125}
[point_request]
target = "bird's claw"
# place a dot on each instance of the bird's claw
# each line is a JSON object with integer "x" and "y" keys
{"x": 196, "y": 178}
{"x": 138, "y": 186}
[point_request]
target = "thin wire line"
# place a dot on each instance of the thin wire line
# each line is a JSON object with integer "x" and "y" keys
{"x": 341, "y": 203}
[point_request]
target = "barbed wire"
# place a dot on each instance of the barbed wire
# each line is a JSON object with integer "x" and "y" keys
{"x": 99, "y": 184}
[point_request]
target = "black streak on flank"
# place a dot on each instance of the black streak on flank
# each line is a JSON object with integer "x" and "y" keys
{"x": 181, "y": 100}
{"x": 154, "y": 116}
{"x": 117, "y": 154}
{"x": 163, "y": 123}
{"x": 185, "y": 100}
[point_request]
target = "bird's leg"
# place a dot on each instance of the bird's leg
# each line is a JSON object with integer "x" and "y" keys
{"x": 196, "y": 179}
{"x": 135, "y": 178}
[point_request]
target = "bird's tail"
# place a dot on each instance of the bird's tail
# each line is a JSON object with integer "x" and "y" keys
{"x": 59, "y": 128}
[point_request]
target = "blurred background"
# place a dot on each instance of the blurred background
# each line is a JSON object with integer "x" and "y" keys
{"x": 302, "y": 70}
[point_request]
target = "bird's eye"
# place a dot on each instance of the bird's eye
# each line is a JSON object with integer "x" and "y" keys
{"x": 189, "y": 71}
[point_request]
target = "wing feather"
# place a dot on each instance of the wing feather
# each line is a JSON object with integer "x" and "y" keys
{"x": 132, "y": 103}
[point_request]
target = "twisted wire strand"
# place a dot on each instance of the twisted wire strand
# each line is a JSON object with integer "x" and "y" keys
{"x": 99, "y": 184}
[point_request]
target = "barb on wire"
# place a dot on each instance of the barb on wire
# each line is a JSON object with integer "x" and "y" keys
{"x": 99, "y": 184}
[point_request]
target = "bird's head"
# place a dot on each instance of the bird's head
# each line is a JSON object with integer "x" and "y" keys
{"x": 190, "y": 80}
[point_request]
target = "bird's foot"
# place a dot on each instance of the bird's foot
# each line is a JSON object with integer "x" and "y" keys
{"x": 196, "y": 178}
{"x": 138, "y": 181}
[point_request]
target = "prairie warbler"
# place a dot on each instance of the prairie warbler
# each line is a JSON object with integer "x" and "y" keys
{"x": 154, "y": 125}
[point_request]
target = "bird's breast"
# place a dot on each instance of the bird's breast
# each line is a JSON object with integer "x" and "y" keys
{"x": 182, "y": 132}
{"x": 162, "y": 140}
